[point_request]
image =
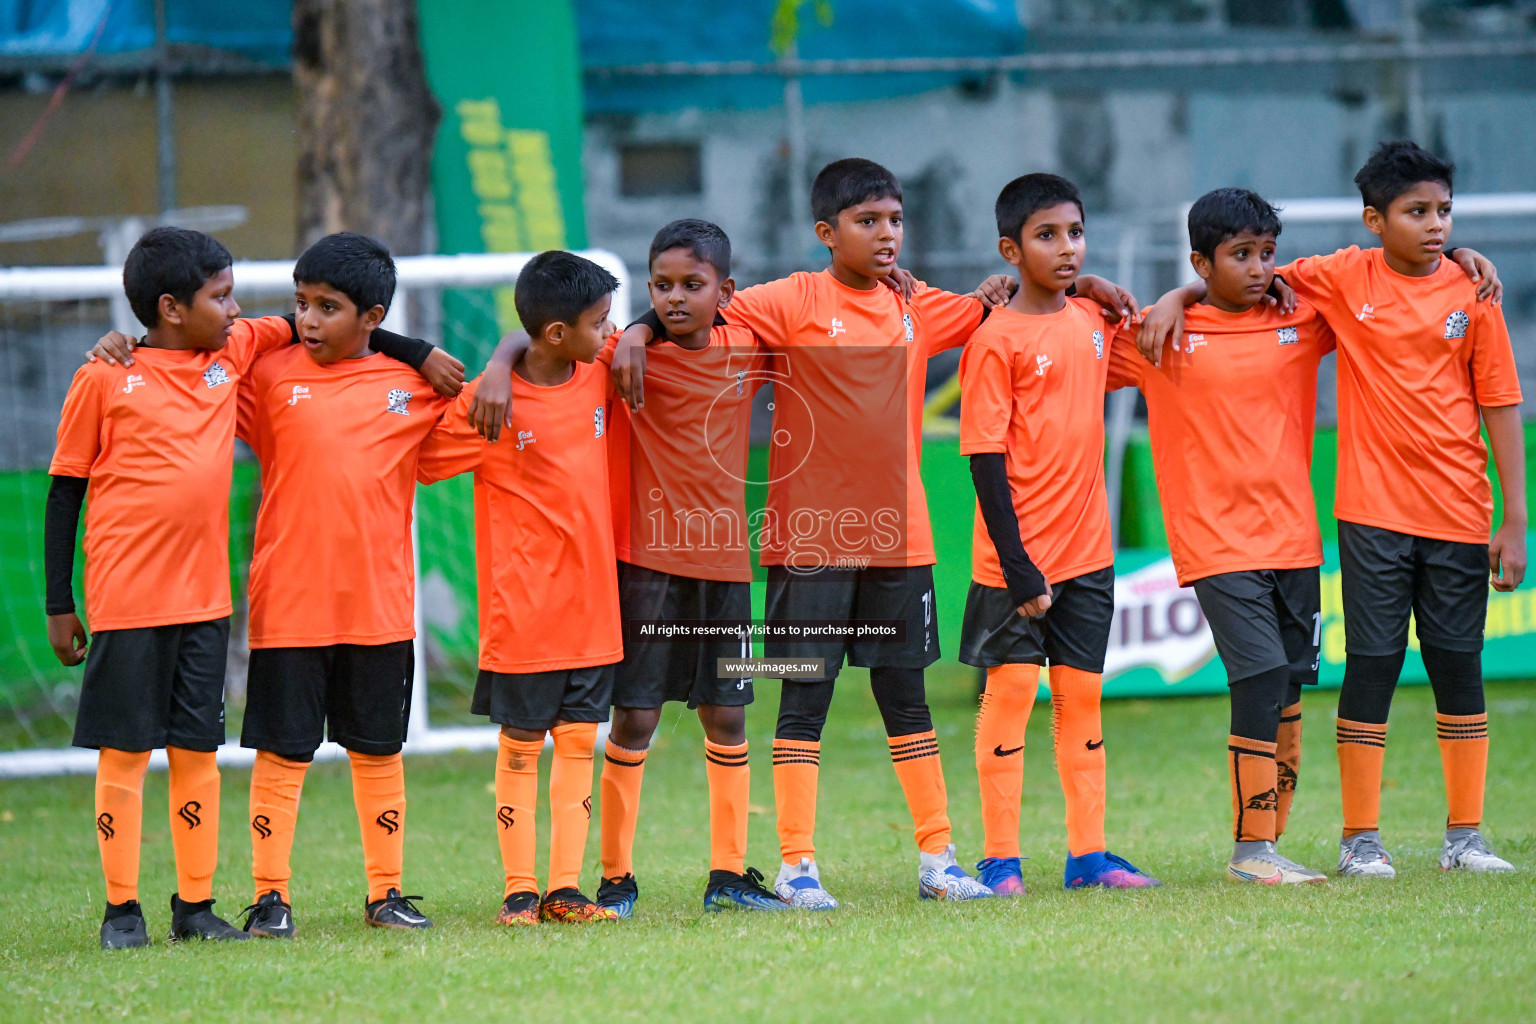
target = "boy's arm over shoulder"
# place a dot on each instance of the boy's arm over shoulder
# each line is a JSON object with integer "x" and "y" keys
{"x": 454, "y": 446}
{"x": 772, "y": 310}
{"x": 1315, "y": 279}
{"x": 443, "y": 371}
{"x": 1495, "y": 378}
{"x": 948, "y": 319}
{"x": 1127, "y": 366}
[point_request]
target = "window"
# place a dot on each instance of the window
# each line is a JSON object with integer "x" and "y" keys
{"x": 649, "y": 169}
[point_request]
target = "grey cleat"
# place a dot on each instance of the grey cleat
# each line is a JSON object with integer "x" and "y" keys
{"x": 1362, "y": 855}
{"x": 1465, "y": 849}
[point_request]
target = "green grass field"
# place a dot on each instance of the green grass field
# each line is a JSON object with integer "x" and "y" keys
{"x": 1425, "y": 947}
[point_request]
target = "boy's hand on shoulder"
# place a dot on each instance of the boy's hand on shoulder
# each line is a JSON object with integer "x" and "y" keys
{"x": 1118, "y": 303}
{"x": 1164, "y": 320}
{"x": 1281, "y": 296}
{"x": 902, "y": 282}
{"x": 996, "y": 290}
{"x": 1506, "y": 557}
{"x": 115, "y": 349}
{"x": 444, "y": 373}
{"x": 66, "y": 635}
{"x": 491, "y": 407}
{"x": 628, "y": 368}
{"x": 1482, "y": 272}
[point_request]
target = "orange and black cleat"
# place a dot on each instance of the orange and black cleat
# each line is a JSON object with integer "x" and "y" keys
{"x": 520, "y": 909}
{"x": 569, "y": 906}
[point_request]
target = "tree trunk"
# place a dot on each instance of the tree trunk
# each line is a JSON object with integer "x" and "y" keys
{"x": 367, "y": 121}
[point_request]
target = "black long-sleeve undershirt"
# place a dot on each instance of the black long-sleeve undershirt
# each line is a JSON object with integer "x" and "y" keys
{"x": 410, "y": 351}
{"x": 61, "y": 525}
{"x": 989, "y": 473}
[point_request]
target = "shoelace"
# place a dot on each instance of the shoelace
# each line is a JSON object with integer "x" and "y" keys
{"x": 1473, "y": 843}
{"x": 1122, "y": 862}
{"x": 753, "y": 883}
{"x": 1368, "y": 847}
{"x": 403, "y": 901}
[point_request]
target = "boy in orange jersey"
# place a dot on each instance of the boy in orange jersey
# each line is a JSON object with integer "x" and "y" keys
{"x": 1230, "y": 414}
{"x": 338, "y": 429}
{"x": 1032, "y": 422}
{"x": 549, "y": 616}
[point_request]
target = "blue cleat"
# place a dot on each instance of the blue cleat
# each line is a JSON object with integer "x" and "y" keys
{"x": 799, "y": 885}
{"x": 1107, "y": 871}
{"x": 1003, "y": 875}
{"x": 727, "y": 889}
{"x": 618, "y": 895}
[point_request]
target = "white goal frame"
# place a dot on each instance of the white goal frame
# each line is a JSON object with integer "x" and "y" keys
{"x": 268, "y": 278}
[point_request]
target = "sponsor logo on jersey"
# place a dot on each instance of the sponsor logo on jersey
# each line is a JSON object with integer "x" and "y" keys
{"x": 135, "y": 380}
{"x": 1456, "y": 324}
{"x": 1041, "y": 362}
{"x": 524, "y": 439}
{"x": 215, "y": 375}
{"x": 1192, "y": 342}
{"x": 1367, "y": 312}
{"x": 299, "y": 391}
{"x": 836, "y": 328}
{"x": 398, "y": 400}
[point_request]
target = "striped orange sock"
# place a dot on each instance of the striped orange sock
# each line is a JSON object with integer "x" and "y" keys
{"x": 517, "y": 797}
{"x": 120, "y": 819}
{"x": 1251, "y": 766}
{"x": 1464, "y": 762}
{"x": 1080, "y": 755}
{"x": 1362, "y": 747}
{"x": 796, "y": 764}
{"x": 623, "y": 771}
{"x": 1287, "y": 763}
{"x": 378, "y": 791}
{"x": 276, "y": 785}
{"x": 730, "y": 787}
{"x": 194, "y": 821}
{"x": 918, "y": 768}
{"x": 1000, "y": 726}
{"x": 570, "y": 801}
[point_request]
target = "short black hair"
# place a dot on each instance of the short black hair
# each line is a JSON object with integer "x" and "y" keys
{"x": 1027, "y": 195}
{"x": 1395, "y": 168}
{"x": 357, "y": 266}
{"x": 1224, "y": 213}
{"x": 704, "y": 240}
{"x": 849, "y": 182}
{"x": 559, "y": 286}
{"x": 170, "y": 261}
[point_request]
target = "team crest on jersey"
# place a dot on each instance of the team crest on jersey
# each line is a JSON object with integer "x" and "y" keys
{"x": 597, "y": 421}
{"x": 215, "y": 375}
{"x": 906, "y": 323}
{"x": 1456, "y": 325}
{"x": 1098, "y": 344}
{"x": 741, "y": 382}
{"x": 1287, "y": 335}
{"x": 398, "y": 400}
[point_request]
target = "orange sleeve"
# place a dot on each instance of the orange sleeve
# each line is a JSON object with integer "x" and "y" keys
{"x": 257, "y": 336}
{"x": 1495, "y": 380}
{"x": 454, "y": 446}
{"x": 1126, "y": 364}
{"x": 1315, "y": 277}
{"x": 605, "y": 354}
{"x": 79, "y": 436}
{"x": 770, "y": 310}
{"x": 986, "y": 399}
{"x": 948, "y": 319}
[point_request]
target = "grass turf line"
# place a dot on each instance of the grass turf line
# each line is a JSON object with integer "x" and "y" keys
{"x": 1198, "y": 949}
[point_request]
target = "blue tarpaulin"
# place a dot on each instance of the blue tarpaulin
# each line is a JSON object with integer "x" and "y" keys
{"x": 258, "y": 29}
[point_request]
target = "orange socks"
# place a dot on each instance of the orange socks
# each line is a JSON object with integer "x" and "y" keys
{"x": 276, "y": 784}
{"x": 1251, "y": 765}
{"x": 623, "y": 770}
{"x": 194, "y": 821}
{"x": 1080, "y": 755}
{"x": 796, "y": 764}
{"x": 120, "y": 819}
{"x": 517, "y": 795}
{"x": 730, "y": 786}
{"x": 1287, "y": 763}
{"x": 1464, "y": 761}
{"x": 916, "y": 759}
{"x": 1362, "y": 746}
{"x": 570, "y": 801}
{"x": 1000, "y": 725}
{"x": 378, "y": 790}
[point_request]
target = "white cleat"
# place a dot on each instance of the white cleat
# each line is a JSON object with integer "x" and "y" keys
{"x": 1362, "y": 855}
{"x": 940, "y": 877}
{"x": 799, "y": 885}
{"x": 1466, "y": 850}
{"x": 1263, "y": 865}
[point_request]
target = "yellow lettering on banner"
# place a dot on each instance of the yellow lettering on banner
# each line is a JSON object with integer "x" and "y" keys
{"x": 480, "y": 121}
{"x": 501, "y": 228}
{"x": 1332, "y": 595}
{"x": 1333, "y": 642}
{"x": 1511, "y": 614}
{"x": 506, "y": 310}
{"x": 538, "y": 197}
{"x": 489, "y": 176}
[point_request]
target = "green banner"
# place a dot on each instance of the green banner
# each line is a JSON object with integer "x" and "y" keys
{"x": 506, "y": 174}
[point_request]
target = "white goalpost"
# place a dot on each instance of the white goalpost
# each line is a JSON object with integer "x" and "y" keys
{"x": 273, "y": 279}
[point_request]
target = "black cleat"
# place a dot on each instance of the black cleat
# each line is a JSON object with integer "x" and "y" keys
{"x": 269, "y": 917}
{"x": 618, "y": 895}
{"x": 396, "y": 911}
{"x": 123, "y": 926}
{"x": 198, "y": 921}
{"x": 728, "y": 889}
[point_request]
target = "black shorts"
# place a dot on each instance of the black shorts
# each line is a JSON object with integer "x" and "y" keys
{"x": 159, "y": 686}
{"x": 850, "y": 596}
{"x": 658, "y": 669}
{"x": 1074, "y": 632}
{"x": 1387, "y": 574}
{"x": 537, "y": 700}
{"x": 1264, "y": 619}
{"x": 357, "y": 694}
